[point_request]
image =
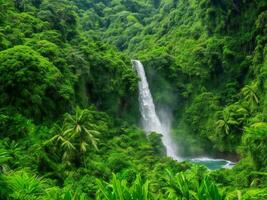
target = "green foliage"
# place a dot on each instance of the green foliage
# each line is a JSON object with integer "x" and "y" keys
{"x": 79, "y": 126}
{"x": 206, "y": 60}
{"x": 118, "y": 189}
{"x": 250, "y": 95}
{"x": 61, "y": 16}
{"x": 74, "y": 196}
{"x": 254, "y": 142}
{"x": 228, "y": 126}
{"x": 24, "y": 186}
{"x": 178, "y": 186}
{"x": 118, "y": 162}
{"x": 224, "y": 124}
{"x": 29, "y": 82}
{"x": 209, "y": 190}
{"x": 156, "y": 142}
{"x": 77, "y": 134}
{"x": 14, "y": 125}
{"x": 186, "y": 185}
{"x": 196, "y": 113}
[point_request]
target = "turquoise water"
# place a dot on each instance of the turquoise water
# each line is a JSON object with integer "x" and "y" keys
{"x": 213, "y": 163}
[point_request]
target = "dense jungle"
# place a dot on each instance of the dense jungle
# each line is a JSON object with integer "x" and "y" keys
{"x": 69, "y": 103}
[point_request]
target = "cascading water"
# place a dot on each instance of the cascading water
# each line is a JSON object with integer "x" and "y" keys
{"x": 151, "y": 122}
{"x": 150, "y": 119}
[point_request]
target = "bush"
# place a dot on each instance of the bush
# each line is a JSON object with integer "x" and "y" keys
{"x": 30, "y": 83}
{"x": 156, "y": 143}
{"x": 254, "y": 143}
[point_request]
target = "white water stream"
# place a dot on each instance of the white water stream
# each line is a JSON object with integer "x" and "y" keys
{"x": 150, "y": 119}
{"x": 151, "y": 123}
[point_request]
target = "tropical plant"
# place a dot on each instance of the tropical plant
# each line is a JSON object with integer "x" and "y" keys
{"x": 200, "y": 57}
{"x": 4, "y": 156}
{"x": 26, "y": 78}
{"x": 62, "y": 140}
{"x": 226, "y": 121}
{"x": 250, "y": 94}
{"x": 178, "y": 186}
{"x": 25, "y": 186}
{"x": 76, "y": 135}
{"x": 119, "y": 190}
{"x": 208, "y": 190}
{"x": 75, "y": 196}
{"x": 156, "y": 142}
{"x": 254, "y": 143}
{"x": 78, "y": 127}
{"x": 186, "y": 186}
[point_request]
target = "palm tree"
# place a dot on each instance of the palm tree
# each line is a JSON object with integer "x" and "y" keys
{"x": 76, "y": 134}
{"x": 64, "y": 142}
{"x": 77, "y": 127}
{"x": 224, "y": 124}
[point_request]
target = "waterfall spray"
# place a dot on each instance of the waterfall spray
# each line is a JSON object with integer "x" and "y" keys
{"x": 150, "y": 119}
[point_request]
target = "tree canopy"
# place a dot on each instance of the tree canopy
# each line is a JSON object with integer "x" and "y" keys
{"x": 69, "y": 114}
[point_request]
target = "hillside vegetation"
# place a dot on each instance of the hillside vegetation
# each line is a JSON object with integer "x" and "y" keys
{"x": 69, "y": 99}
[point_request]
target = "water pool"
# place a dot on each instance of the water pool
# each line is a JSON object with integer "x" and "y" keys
{"x": 212, "y": 163}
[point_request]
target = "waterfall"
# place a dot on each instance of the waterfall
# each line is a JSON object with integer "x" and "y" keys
{"x": 150, "y": 119}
